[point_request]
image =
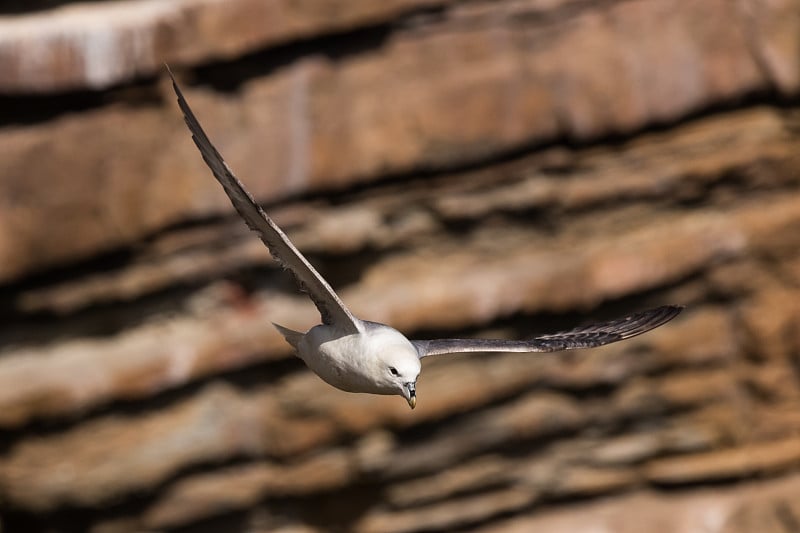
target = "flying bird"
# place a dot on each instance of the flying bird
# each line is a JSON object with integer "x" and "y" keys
{"x": 356, "y": 355}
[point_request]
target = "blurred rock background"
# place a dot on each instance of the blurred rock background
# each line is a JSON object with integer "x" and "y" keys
{"x": 454, "y": 168}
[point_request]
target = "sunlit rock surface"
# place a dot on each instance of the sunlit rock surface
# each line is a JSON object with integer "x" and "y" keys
{"x": 454, "y": 168}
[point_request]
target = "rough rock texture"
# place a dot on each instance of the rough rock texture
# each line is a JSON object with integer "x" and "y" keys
{"x": 454, "y": 168}
{"x": 78, "y": 46}
{"x": 479, "y": 81}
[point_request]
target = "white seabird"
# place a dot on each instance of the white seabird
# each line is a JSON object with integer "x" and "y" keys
{"x": 359, "y": 356}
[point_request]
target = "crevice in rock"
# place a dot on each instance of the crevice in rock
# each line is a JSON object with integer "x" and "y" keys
{"x": 30, "y": 109}
{"x": 19, "y": 7}
{"x": 78, "y": 518}
{"x": 245, "y": 379}
{"x": 228, "y": 76}
{"x": 719, "y": 482}
{"x": 102, "y": 320}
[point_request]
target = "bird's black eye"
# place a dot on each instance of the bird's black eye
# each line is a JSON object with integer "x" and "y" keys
{"x": 393, "y": 371}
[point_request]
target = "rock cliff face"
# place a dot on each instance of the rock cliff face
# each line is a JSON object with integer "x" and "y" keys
{"x": 454, "y": 168}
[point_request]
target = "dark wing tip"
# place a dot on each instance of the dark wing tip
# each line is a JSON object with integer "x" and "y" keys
{"x": 174, "y": 83}
{"x": 594, "y": 335}
{"x": 642, "y": 322}
{"x": 210, "y": 154}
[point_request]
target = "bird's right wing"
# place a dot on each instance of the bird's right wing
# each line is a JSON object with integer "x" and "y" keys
{"x": 580, "y": 337}
{"x": 331, "y": 308}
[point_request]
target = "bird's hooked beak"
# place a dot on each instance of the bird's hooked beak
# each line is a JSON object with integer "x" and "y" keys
{"x": 411, "y": 390}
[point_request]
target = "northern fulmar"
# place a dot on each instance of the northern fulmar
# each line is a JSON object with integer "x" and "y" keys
{"x": 356, "y": 355}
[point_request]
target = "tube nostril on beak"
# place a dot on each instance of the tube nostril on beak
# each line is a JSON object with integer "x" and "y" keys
{"x": 412, "y": 394}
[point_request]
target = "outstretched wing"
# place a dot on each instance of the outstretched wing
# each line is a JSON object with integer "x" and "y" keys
{"x": 330, "y": 307}
{"x": 580, "y": 337}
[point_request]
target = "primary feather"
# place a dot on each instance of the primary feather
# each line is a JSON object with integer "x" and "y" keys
{"x": 331, "y": 308}
{"x": 581, "y": 337}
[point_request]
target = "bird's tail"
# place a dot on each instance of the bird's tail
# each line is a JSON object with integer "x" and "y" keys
{"x": 291, "y": 336}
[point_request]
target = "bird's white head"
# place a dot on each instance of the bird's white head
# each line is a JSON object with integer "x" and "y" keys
{"x": 400, "y": 368}
{"x": 395, "y": 362}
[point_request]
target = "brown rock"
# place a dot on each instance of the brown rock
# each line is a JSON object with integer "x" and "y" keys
{"x": 676, "y": 391}
{"x": 176, "y": 350}
{"x": 770, "y": 421}
{"x": 704, "y": 337}
{"x": 454, "y": 481}
{"x": 533, "y": 416}
{"x": 241, "y": 487}
{"x": 584, "y": 481}
{"x": 770, "y": 320}
{"x": 451, "y": 514}
{"x": 714, "y": 510}
{"x": 637, "y": 447}
{"x": 326, "y": 123}
{"x": 386, "y": 220}
{"x": 72, "y": 376}
{"x": 736, "y": 463}
{"x": 706, "y": 213}
{"x": 775, "y": 515}
{"x": 137, "y": 38}
{"x": 116, "y": 455}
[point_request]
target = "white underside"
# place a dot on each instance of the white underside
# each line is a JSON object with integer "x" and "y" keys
{"x": 356, "y": 362}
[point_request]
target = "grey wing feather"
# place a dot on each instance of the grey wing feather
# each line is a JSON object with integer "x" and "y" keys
{"x": 581, "y": 337}
{"x": 331, "y": 308}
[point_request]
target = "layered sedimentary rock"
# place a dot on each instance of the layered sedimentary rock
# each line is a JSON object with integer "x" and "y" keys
{"x": 423, "y": 155}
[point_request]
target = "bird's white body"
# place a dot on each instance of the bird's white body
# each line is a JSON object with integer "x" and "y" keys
{"x": 360, "y": 362}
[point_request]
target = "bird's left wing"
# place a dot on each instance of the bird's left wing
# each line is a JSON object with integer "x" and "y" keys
{"x": 580, "y": 337}
{"x": 330, "y": 307}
